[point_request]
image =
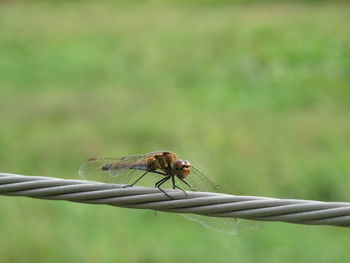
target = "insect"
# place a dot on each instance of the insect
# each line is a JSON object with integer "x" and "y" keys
{"x": 130, "y": 170}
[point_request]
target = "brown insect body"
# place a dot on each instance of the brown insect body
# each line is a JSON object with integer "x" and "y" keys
{"x": 170, "y": 164}
{"x": 162, "y": 162}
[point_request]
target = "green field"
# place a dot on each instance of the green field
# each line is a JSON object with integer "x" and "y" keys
{"x": 256, "y": 96}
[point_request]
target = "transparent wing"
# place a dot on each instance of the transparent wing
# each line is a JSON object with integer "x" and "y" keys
{"x": 93, "y": 170}
{"x": 200, "y": 182}
{"x": 115, "y": 170}
{"x": 220, "y": 224}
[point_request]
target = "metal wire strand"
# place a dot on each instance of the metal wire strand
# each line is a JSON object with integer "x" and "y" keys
{"x": 208, "y": 204}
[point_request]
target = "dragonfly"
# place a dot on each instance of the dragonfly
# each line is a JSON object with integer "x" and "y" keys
{"x": 129, "y": 170}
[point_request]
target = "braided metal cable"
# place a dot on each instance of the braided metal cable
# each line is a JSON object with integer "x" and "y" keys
{"x": 208, "y": 204}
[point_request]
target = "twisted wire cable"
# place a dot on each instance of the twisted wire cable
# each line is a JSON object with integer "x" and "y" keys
{"x": 202, "y": 203}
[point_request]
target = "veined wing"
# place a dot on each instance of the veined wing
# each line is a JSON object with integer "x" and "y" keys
{"x": 113, "y": 170}
{"x": 202, "y": 183}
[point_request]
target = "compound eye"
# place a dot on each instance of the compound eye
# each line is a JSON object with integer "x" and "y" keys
{"x": 186, "y": 163}
{"x": 178, "y": 165}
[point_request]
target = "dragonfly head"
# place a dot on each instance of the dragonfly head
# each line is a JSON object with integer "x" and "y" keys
{"x": 182, "y": 168}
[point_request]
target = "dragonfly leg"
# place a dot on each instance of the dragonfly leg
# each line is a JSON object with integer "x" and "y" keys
{"x": 175, "y": 186}
{"x": 188, "y": 184}
{"x": 173, "y": 180}
{"x": 165, "y": 193}
{"x": 156, "y": 172}
{"x": 128, "y": 185}
{"x": 181, "y": 189}
{"x": 159, "y": 183}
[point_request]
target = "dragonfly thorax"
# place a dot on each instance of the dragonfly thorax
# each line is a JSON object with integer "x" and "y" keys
{"x": 182, "y": 168}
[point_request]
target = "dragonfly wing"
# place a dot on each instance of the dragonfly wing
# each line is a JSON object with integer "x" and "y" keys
{"x": 93, "y": 170}
{"x": 128, "y": 176}
{"x": 221, "y": 224}
{"x": 201, "y": 182}
{"x": 124, "y": 170}
{"x": 107, "y": 170}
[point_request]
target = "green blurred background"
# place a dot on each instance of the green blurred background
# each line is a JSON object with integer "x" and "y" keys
{"x": 255, "y": 94}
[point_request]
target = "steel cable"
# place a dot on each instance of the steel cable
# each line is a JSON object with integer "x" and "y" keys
{"x": 202, "y": 203}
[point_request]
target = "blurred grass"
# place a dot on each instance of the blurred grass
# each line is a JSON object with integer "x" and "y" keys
{"x": 256, "y": 96}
